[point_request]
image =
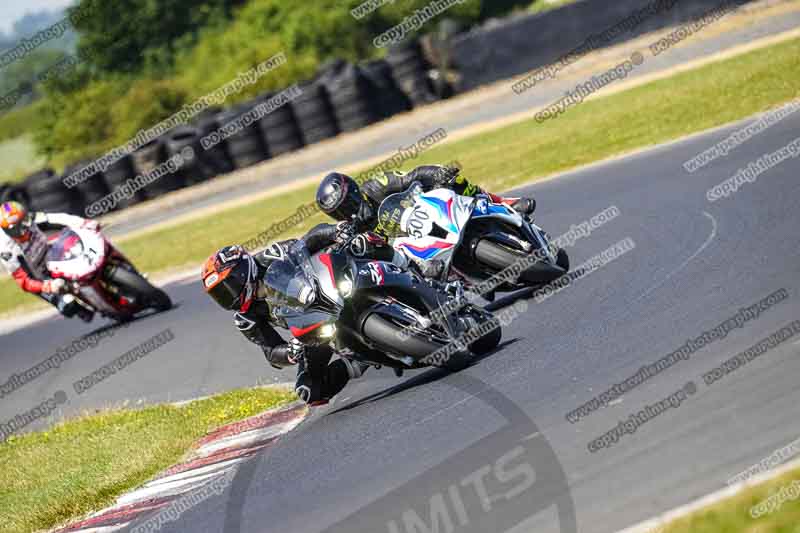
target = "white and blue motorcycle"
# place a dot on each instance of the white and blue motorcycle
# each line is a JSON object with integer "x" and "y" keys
{"x": 474, "y": 237}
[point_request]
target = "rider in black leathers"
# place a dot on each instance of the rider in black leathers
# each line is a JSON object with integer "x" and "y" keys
{"x": 234, "y": 279}
{"x": 340, "y": 196}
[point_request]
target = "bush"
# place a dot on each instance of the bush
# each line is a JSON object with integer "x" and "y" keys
{"x": 147, "y": 103}
{"x": 78, "y": 125}
{"x": 20, "y": 121}
{"x": 86, "y": 118}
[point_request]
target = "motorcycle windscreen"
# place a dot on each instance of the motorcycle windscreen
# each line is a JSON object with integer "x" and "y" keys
{"x": 393, "y": 208}
{"x": 288, "y": 286}
{"x": 66, "y": 247}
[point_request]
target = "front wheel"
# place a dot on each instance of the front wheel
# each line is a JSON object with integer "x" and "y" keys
{"x": 499, "y": 257}
{"x": 562, "y": 259}
{"x": 477, "y": 319}
{"x": 132, "y": 282}
{"x": 390, "y": 336}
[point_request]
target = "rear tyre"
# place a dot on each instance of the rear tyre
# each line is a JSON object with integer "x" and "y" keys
{"x": 562, "y": 259}
{"x": 388, "y": 335}
{"x": 141, "y": 288}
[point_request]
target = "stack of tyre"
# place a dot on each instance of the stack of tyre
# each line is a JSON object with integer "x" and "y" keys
{"x": 148, "y": 162}
{"x": 13, "y": 192}
{"x": 343, "y": 97}
{"x": 279, "y": 129}
{"x": 90, "y": 190}
{"x": 386, "y": 94}
{"x": 314, "y": 113}
{"x": 117, "y": 175}
{"x": 352, "y": 96}
{"x": 410, "y": 71}
{"x": 215, "y": 154}
{"x": 46, "y": 192}
{"x": 243, "y": 140}
{"x": 198, "y": 164}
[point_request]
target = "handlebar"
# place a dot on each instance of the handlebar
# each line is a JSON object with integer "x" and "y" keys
{"x": 349, "y": 228}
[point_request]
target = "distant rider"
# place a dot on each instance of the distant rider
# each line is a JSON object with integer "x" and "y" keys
{"x": 340, "y": 196}
{"x": 23, "y": 253}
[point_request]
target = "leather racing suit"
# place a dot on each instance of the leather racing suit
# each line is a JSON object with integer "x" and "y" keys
{"x": 318, "y": 379}
{"x": 26, "y": 261}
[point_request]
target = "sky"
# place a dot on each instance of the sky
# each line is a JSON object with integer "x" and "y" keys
{"x": 15, "y": 9}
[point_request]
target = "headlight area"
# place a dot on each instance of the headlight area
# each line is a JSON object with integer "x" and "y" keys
{"x": 345, "y": 288}
{"x": 327, "y": 331}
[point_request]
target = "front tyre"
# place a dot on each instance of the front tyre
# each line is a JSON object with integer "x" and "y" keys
{"x": 499, "y": 257}
{"x": 477, "y": 319}
{"x": 562, "y": 259}
{"x": 132, "y": 282}
{"x": 389, "y": 336}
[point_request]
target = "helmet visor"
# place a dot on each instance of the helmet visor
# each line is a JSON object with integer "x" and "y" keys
{"x": 20, "y": 229}
{"x": 331, "y": 195}
{"x": 228, "y": 292}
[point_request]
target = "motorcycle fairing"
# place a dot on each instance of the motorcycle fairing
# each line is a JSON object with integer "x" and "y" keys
{"x": 445, "y": 209}
{"x": 76, "y": 255}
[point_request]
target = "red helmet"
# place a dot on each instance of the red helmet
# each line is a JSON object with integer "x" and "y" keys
{"x": 16, "y": 221}
{"x": 230, "y": 278}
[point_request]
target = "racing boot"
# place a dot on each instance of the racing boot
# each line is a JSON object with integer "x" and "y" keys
{"x": 355, "y": 369}
{"x": 523, "y": 206}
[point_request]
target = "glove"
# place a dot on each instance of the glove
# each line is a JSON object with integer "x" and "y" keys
{"x": 54, "y": 286}
{"x": 344, "y": 231}
{"x": 297, "y": 351}
{"x": 365, "y": 243}
{"x": 451, "y": 173}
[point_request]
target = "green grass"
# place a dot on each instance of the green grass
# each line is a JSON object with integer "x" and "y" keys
{"x": 540, "y": 6}
{"x": 19, "y": 159}
{"x": 82, "y": 465}
{"x": 654, "y": 113}
{"x": 733, "y": 515}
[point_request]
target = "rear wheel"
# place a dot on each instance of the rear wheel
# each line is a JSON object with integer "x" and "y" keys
{"x": 141, "y": 289}
{"x": 562, "y": 259}
{"x": 389, "y": 335}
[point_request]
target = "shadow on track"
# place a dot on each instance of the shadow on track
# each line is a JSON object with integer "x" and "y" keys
{"x": 430, "y": 376}
{"x": 110, "y": 324}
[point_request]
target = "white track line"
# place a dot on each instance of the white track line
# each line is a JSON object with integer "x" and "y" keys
{"x": 715, "y": 497}
{"x": 172, "y": 488}
{"x": 247, "y": 438}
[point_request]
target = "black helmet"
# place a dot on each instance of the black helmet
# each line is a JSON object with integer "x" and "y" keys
{"x": 340, "y": 197}
{"x": 229, "y": 277}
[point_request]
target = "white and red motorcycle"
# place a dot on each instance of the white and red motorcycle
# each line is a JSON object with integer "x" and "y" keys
{"x": 101, "y": 278}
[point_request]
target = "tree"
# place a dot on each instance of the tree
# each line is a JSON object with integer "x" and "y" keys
{"x": 127, "y": 35}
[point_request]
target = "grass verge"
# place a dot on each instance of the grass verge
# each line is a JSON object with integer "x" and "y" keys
{"x": 19, "y": 159}
{"x": 733, "y": 515}
{"x": 657, "y": 112}
{"x": 82, "y": 465}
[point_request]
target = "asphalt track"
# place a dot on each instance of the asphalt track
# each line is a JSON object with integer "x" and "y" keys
{"x": 388, "y": 450}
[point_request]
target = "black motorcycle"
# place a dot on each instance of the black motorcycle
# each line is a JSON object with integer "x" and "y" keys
{"x": 375, "y": 311}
